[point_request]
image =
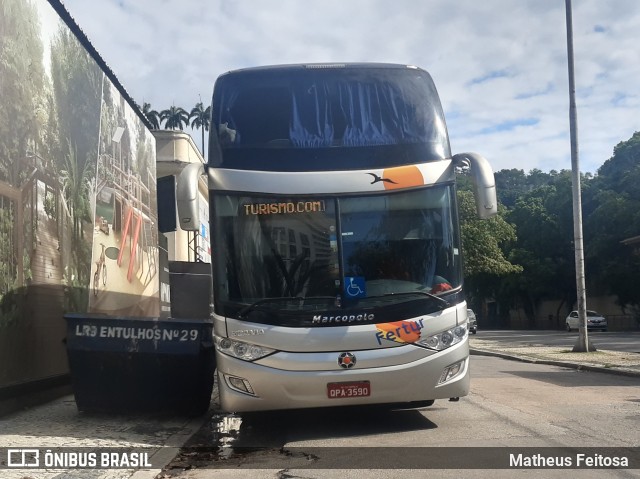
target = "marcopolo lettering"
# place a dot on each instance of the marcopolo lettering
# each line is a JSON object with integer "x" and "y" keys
{"x": 346, "y": 318}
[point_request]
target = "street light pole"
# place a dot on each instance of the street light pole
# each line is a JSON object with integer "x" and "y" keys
{"x": 583, "y": 344}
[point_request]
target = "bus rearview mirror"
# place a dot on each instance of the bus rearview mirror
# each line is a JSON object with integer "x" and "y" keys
{"x": 483, "y": 180}
{"x": 187, "y": 197}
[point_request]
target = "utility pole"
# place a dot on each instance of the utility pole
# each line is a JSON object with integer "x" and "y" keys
{"x": 583, "y": 344}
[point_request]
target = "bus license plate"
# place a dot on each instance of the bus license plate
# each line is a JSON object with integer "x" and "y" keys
{"x": 349, "y": 390}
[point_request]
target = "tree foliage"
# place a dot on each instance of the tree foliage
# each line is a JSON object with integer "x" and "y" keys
{"x": 543, "y": 220}
{"x": 76, "y": 185}
{"x": 77, "y": 86}
{"x": 22, "y": 80}
{"x": 200, "y": 119}
{"x": 22, "y": 131}
{"x": 485, "y": 246}
{"x": 483, "y": 240}
{"x": 175, "y": 118}
{"x": 539, "y": 208}
{"x": 613, "y": 199}
{"x": 77, "y": 93}
{"x": 152, "y": 115}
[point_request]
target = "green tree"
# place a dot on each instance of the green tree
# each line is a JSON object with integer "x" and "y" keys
{"x": 513, "y": 184}
{"x": 175, "y": 118}
{"x": 200, "y": 118}
{"x": 613, "y": 267}
{"x": 482, "y": 240}
{"x": 77, "y": 86}
{"x": 544, "y": 223}
{"x": 24, "y": 90}
{"x": 612, "y": 214}
{"x": 622, "y": 171}
{"x": 152, "y": 115}
{"x": 510, "y": 185}
{"x": 539, "y": 205}
{"x": 76, "y": 184}
{"x": 484, "y": 244}
{"x": 23, "y": 87}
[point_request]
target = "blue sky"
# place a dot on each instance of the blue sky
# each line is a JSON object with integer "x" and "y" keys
{"x": 500, "y": 65}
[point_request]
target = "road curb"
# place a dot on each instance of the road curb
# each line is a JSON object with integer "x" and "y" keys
{"x": 163, "y": 455}
{"x": 580, "y": 367}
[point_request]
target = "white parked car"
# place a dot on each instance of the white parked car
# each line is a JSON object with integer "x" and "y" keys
{"x": 594, "y": 321}
{"x": 473, "y": 322}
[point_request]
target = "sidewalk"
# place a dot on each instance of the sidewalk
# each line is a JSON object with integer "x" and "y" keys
{"x": 614, "y": 362}
{"x": 58, "y": 425}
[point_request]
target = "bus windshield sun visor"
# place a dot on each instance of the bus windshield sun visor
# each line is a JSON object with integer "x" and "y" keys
{"x": 329, "y": 109}
{"x": 365, "y": 115}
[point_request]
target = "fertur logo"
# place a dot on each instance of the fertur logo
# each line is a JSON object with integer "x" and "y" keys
{"x": 399, "y": 331}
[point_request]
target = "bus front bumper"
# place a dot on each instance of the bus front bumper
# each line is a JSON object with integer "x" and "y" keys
{"x": 273, "y": 389}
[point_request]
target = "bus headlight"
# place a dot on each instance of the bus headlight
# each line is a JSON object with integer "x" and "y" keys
{"x": 241, "y": 350}
{"x": 444, "y": 339}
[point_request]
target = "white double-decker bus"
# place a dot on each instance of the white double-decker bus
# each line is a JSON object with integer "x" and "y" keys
{"x": 336, "y": 253}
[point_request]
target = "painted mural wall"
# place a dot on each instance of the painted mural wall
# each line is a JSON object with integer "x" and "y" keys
{"x": 78, "y": 213}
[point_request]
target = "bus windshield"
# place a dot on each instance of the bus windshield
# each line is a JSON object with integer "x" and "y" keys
{"x": 340, "y": 252}
{"x": 302, "y": 118}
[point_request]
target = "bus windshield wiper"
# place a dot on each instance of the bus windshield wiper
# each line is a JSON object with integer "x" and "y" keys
{"x": 262, "y": 301}
{"x": 243, "y": 312}
{"x": 443, "y": 303}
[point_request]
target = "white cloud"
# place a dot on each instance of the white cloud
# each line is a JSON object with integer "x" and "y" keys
{"x": 169, "y": 53}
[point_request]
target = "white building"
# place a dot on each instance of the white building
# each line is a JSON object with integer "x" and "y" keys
{"x": 174, "y": 150}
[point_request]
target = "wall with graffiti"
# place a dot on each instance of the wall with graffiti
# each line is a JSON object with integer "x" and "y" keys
{"x": 78, "y": 214}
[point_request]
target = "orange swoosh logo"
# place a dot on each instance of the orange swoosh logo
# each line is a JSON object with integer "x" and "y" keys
{"x": 400, "y": 331}
{"x": 402, "y": 177}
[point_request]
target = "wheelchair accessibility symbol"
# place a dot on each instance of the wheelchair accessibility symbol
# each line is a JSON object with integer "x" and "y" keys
{"x": 354, "y": 286}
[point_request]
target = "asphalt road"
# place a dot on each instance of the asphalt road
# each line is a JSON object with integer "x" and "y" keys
{"x": 626, "y": 341}
{"x": 511, "y": 405}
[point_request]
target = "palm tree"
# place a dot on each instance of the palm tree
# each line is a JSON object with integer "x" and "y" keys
{"x": 201, "y": 119}
{"x": 152, "y": 115}
{"x": 175, "y": 118}
{"x": 76, "y": 183}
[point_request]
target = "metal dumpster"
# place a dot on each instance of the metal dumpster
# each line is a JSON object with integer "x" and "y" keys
{"x": 122, "y": 364}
